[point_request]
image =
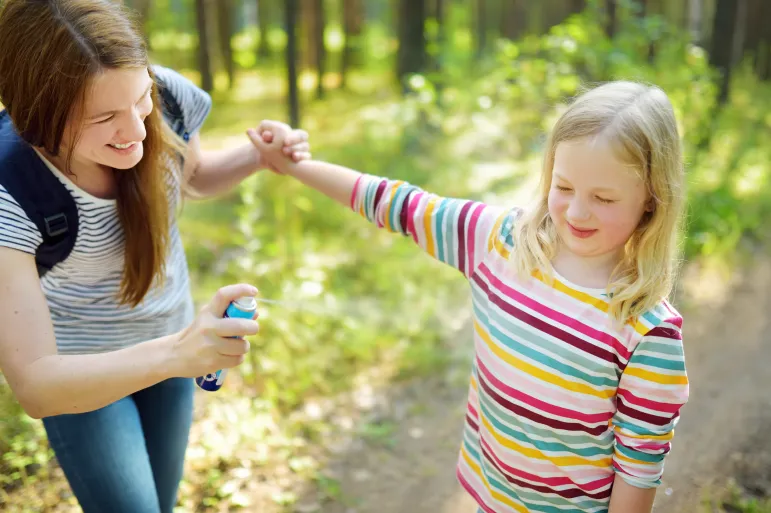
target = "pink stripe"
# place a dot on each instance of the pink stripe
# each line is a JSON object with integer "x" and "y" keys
{"x": 411, "y": 209}
{"x": 553, "y": 315}
{"x": 549, "y": 481}
{"x": 536, "y": 386}
{"x": 473, "y": 491}
{"x": 656, "y": 406}
{"x": 471, "y": 238}
{"x": 564, "y": 413}
{"x": 355, "y": 190}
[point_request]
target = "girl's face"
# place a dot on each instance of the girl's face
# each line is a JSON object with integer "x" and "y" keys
{"x": 113, "y": 128}
{"x": 596, "y": 201}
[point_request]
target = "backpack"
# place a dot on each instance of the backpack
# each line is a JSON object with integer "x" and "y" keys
{"x": 43, "y": 197}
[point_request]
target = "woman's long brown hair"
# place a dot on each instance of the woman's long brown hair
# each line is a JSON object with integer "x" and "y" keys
{"x": 51, "y": 49}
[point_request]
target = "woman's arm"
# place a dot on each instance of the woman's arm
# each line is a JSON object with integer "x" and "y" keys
{"x": 215, "y": 172}
{"x": 46, "y": 383}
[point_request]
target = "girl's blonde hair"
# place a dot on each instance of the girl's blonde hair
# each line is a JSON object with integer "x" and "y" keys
{"x": 638, "y": 123}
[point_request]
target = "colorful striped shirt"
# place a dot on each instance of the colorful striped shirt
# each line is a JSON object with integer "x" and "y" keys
{"x": 561, "y": 399}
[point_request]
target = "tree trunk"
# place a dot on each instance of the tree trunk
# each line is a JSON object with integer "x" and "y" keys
{"x": 353, "y": 19}
{"x": 225, "y": 33}
{"x": 263, "y": 21}
{"x": 319, "y": 24}
{"x": 481, "y": 27}
{"x": 411, "y": 57}
{"x": 611, "y": 20}
{"x": 290, "y": 25}
{"x": 204, "y": 58}
{"x": 514, "y": 19}
{"x": 727, "y": 33}
{"x": 763, "y": 50}
{"x": 695, "y": 16}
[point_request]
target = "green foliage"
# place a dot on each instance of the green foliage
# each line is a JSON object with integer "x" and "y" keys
{"x": 361, "y": 297}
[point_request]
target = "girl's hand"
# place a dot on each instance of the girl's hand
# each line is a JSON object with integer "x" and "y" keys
{"x": 278, "y": 146}
{"x": 294, "y": 144}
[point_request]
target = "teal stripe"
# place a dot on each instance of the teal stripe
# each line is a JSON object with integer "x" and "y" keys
{"x": 549, "y": 449}
{"x": 660, "y": 363}
{"x": 551, "y": 363}
{"x": 438, "y": 223}
{"x": 652, "y": 318}
{"x": 604, "y": 443}
{"x": 396, "y": 206}
{"x": 529, "y": 498}
{"x": 675, "y": 349}
{"x": 632, "y": 426}
{"x": 369, "y": 200}
{"x": 639, "y": 456}
{"x": 576, "y": 356}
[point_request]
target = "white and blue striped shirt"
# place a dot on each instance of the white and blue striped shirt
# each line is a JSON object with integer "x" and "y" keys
{"x": 82, "y": 291}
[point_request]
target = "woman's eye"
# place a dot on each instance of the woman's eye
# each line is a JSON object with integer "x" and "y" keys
{"x": 604, "y": 200}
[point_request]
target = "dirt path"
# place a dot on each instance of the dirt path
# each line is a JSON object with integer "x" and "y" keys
{"x": 410, "y": 468}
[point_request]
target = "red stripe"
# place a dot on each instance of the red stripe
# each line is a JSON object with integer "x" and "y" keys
{"x": 471, "y": 491}
{"x": 539, "y": 419}
{"x": 656, "y": 420}
{"x": 597, "y": 418}
{"x": 636, "y": 400}
{"x": 569, "y": 493}
{"x": 460, "y": 231}
{"x": 544, "y": 326}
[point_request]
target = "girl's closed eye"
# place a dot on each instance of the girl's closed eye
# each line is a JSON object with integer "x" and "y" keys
{"x": 605, "y": 200}
{"x": 563, "y": 188}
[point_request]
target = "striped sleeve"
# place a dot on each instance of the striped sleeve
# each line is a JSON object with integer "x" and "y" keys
{"x": 456, "y": 232}
{"x": 194, "y": 102}
{"x": 652, "y": 389}
{"x": 17, "y": 231}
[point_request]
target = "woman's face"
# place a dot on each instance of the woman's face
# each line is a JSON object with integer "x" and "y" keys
{"x": 113, "y": 126}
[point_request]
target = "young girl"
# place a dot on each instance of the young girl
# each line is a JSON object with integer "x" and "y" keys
{"x": 102, "y": 346}
{"x": 579, "y": 373}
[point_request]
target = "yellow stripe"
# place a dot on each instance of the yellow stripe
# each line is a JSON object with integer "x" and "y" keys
{"x": 599, "y": 304}
{"x": 665, "y": 437}
{"x": 655, "y": 377}
{"x": 492, "y": 241}
{"x": 528, "y": 452}
{"x": 427, "y": 226}
{"x": 621, "y": 457}
{"x": 495, "y": 494}
{"x": 534, "y": 371}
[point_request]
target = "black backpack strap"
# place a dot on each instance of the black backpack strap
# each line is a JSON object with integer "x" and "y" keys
{"x": 172, "y": 112}
{"x": 40, "y": 193}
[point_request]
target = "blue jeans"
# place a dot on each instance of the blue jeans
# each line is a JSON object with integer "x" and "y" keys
{"x": 127, "y": 457}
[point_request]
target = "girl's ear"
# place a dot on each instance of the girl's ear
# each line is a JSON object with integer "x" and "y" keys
{"x": 650, "y": 205}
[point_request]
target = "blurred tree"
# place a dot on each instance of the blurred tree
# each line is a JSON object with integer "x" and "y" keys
{"x": 411, "y": 57}
{"x": 319, "y": 47}
{"x": 611, "y": 21}
{"x": 225, "y": 29}
{"x": 481, "y": 27}
{"x": 695, "y": 17}
{"x": 514, "y": 19}
{"x": 204, "y": 58}
{"x": 264, "y": 21}
{"x": 727, "y": 41}
{"x": 353, "y": 20}
{"x": 290, "y": 26}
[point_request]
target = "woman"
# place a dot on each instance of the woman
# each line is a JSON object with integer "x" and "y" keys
{"x": 102, "y": 346}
